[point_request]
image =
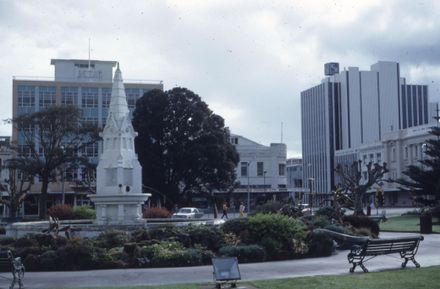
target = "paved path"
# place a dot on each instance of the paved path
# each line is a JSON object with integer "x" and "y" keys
{"x": 428, "y": 255}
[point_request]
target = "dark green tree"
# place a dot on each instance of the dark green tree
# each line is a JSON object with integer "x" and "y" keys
{"x": 183, "y": 146}
{"x": 423, "y": 180}
{"x": 49, "y": 140}
{"x": 352, "y": 189}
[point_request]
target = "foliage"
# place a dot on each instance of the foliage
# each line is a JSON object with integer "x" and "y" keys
{"x": 52, "y": 139}
{"x": 61, "y": 211}
{"x": 15, "y": 188}
{"x": 77, "y": 254}
{"x": 320, "y": 245}
{"x": 172, "y": 253}
{"x": 363, "y": 222}
{"x": 48, "y": 260}
{"x": 150, "y": 213}
{"x": 315, "y": 221}
{"x": 244, "y": 253}
{"x": 84, "y": 212}
{"x": 239, "y": 227}
{"x": 352, "y": 190}
{"x": 268, "y": 207}
{"x": 182, "y": 145}
{"x": 209, "y": 237}
{"x": 277, "y": 234}
{"x": 422, "y": 180}
{"x": 112, "y": 238}
{"x": 331, "y": 213}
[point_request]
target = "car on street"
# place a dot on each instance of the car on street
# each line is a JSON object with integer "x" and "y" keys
{"x": 188, "y": 213}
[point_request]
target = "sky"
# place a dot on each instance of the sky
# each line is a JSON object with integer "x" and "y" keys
{"x": 248, "y": 60}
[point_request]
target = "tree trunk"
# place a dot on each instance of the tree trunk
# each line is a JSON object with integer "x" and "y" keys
{"x": 43, "y": 199}
{"x": 358, "y": 209}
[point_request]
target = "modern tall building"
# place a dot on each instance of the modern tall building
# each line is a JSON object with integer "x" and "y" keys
{"x": 353, "y": 111}
{"x": 86, "y": 84}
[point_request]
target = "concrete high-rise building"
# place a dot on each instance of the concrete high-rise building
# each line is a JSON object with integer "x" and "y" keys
{"x": 354, "y": 110}
{"x": 86, "y": 84}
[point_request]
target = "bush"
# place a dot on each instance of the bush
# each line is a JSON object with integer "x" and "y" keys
{"x": 268, "y": 207}
{"x": 239, "y": 227}
{"x": 363, "y": 222}
{"x": 77, "y": 255}
{"x": 209, "y": 237}
{"x": 151, "y": 213}
{"x": 140, "y": 235}
{"x": 49, "y": 261}
{"x": 244, "y": 253}
{"x": 6, "y": 241}
{"x": 329, "y": 212}
{"x": 316, "y": 221}
{"x": 84, "y": 212}
{"x": 104, "y": 260}
{"x": 31, "y": 262}
{"x": 26, "y": 241}
{"x": 111, "y": 239}
{"x": 171, "y": 253}
{"x": 320, "y": 245}
{"x": 278, "y": 234}
{"x": 61, "y": 211}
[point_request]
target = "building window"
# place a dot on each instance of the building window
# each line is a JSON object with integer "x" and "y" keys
{"x": 90, "y": 120}
{"x": 106, "y": 97}
{"x": 379, "y": 158}
{"x": 24, "y": 150}
{"x": 416, "y": 151}
{"x": 69, "y": 95}
{"x": 132, "y": 95}
{"x": 244, "y": 169}
{"x": 234, "y": 140}
{"x": 89, "y": 96}
{"x": 393, "y": 154}
{"x": 281, "y": 169}
{"x": 26, "y": 95}
{"x": 406, "y": 153}
{"x": 371, "y": 157}
{"x": 260, "y": 169}
{"x": 91, "y": 150}
{"x": 47, "y": 96}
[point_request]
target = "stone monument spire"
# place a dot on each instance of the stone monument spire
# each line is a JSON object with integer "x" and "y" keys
{"x": 119, "y": 195}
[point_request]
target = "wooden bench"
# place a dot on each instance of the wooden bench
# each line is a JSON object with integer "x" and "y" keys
{"x": 13, "y": 264}
{"x": 405, "y": 246}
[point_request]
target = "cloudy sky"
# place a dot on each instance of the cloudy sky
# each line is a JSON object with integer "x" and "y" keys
{"x": 249, "y": 60}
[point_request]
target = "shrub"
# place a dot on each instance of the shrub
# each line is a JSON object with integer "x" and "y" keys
{"x": 140, "y": 235}
{"x": 6, "y": 241}
{"x": 268, "y": 207}
{"x": 26, "y": 241}
{"x": 84, "y": 212}
{"x": 239, "y": 227}
{"x": 31, "y": 262}
{"x": 320, "y": 245}
{"x": 171, "y": 253}
{"x": 164, "y": 232}
{"x": 61, "y": 211}
{"x": 77, "y": 255}
{"x": 151, "y": 213}
{"x": 244, "y": 253}
{"x": 49, "y": 260}
{"x": 209, "y": 237}
{"x": 316, "y": 221}
{"x": 2, "y": 230}
{"x": 362, "y": 222}
{"x": 329, "y": 212}
{"x": 338, "y": 228}
{"x": 277, "y": 233}
{"x": 104, "y": 260}
{"x": 111, "y": 239}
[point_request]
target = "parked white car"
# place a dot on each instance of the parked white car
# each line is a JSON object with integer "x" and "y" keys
{"x": 188, "y": 213}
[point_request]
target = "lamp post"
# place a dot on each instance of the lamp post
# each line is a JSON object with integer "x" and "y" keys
{"x": 248, "y": 189}
{"x": 310, "y": 194}
{"x": 264, "y": 180}
{"x": 62, "y": 179}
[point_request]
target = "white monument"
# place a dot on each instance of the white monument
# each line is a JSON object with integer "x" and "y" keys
{"x": 119, "y": 197}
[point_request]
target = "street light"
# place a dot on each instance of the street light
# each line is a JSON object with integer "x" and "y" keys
{"x": 62, "y": 179}
{"x": 248, "y": 188}
{"x": 310, "y": 194}
{"x": 264, "y": 180}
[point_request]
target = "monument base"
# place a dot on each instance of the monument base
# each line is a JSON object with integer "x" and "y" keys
{"x": 121, "y": 209}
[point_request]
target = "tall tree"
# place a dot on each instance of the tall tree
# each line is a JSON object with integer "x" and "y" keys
{"x": 423, "y": 180}
{"x": 183, "y": 146}
{"x": 16, "y": 188}
{"x": 352, "y": 188}
{"x": 48, "y": 140}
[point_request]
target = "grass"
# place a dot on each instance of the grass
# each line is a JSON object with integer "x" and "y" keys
{"x": 408, "y": 278}
{"x": 406, "y": 223}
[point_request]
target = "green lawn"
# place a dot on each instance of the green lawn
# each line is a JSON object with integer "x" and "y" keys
{"x": 408, "y": 278}
{"x": 406, "y": 223}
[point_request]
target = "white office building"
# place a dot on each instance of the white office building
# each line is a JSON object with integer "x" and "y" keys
{"x": 261, "y": 171}
{"x": 357, "y": 115}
